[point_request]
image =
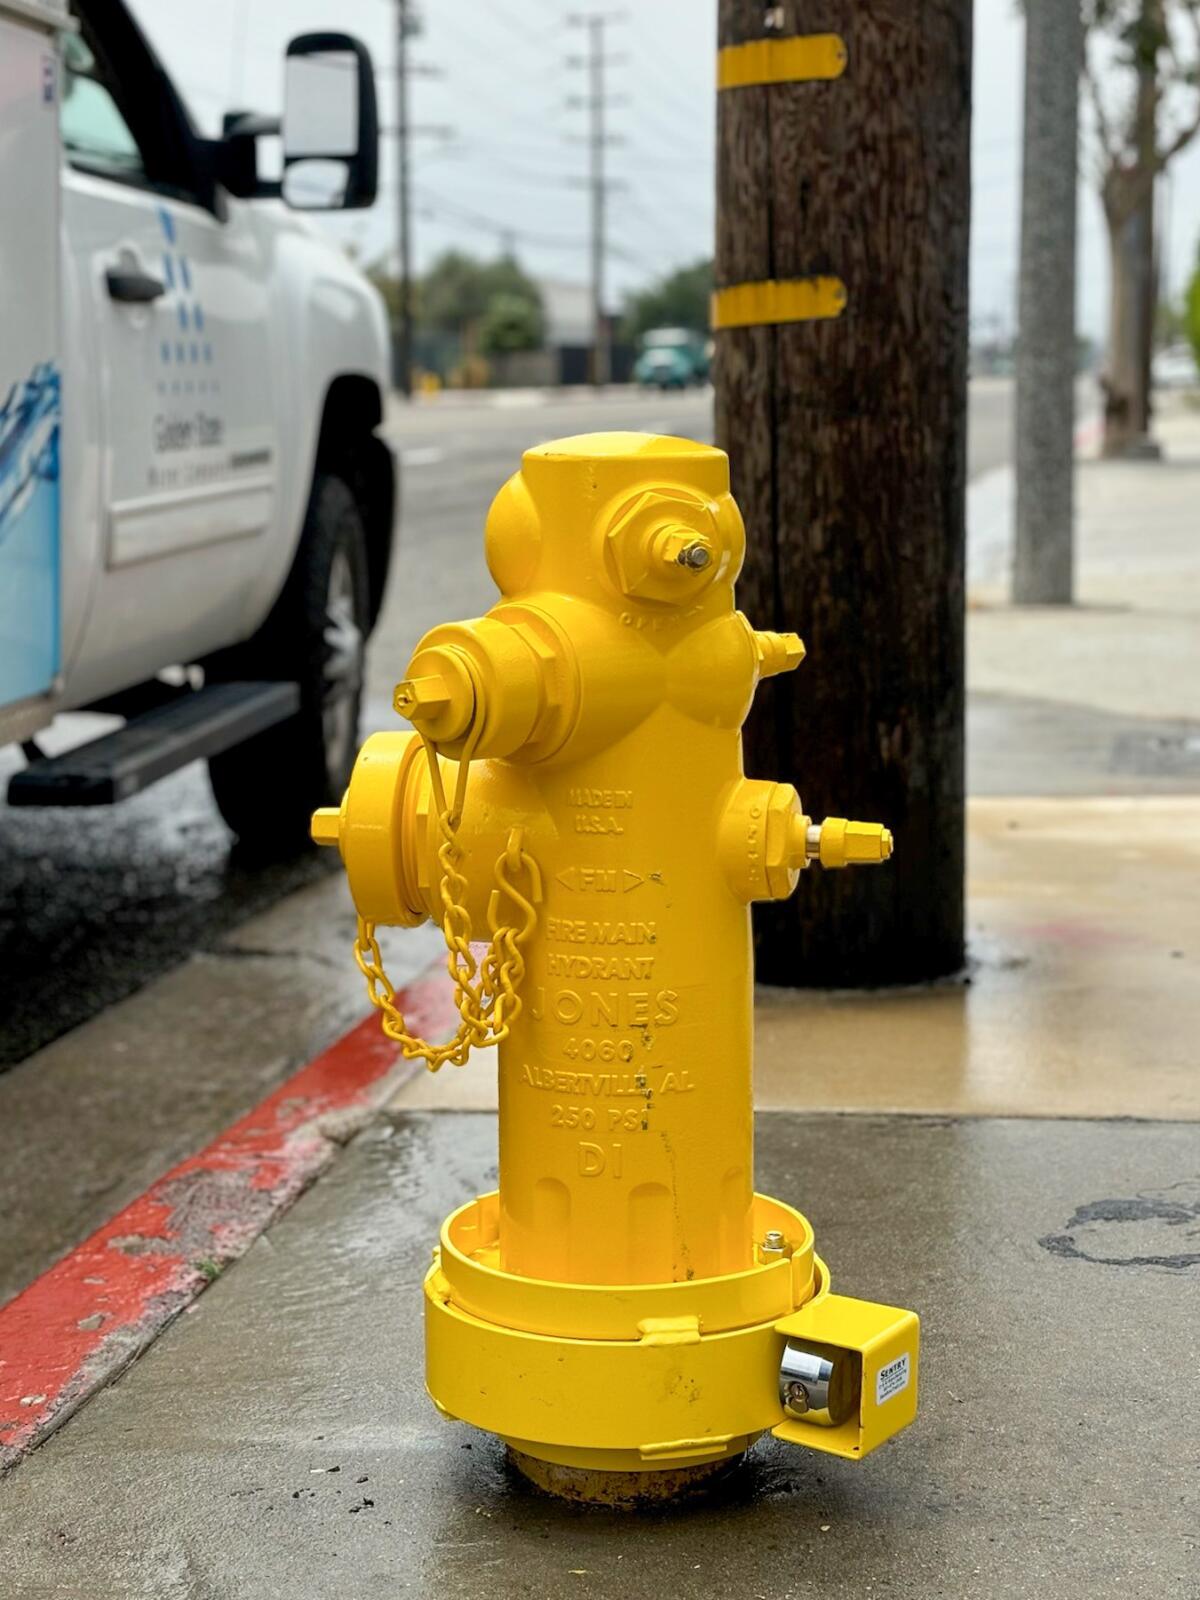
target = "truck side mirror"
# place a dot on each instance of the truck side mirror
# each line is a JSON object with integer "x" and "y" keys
{"x": 330, "y": 124}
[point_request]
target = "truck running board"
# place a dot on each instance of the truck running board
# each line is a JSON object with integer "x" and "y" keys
{"x": 160, "y": 741}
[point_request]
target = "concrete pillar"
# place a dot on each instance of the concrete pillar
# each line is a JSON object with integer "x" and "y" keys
{"x": 1045, "y": 421}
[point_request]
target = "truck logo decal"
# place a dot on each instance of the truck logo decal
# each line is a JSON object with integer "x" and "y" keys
{"x": 28, "y": 442}
{"x": 29, "y": 516}
{"x": 181, "y": 356}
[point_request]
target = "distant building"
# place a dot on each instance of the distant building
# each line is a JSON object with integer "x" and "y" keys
{"x": 568, "y": 312}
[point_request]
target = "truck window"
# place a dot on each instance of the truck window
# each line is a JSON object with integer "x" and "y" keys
{"x": 95, "y": 135}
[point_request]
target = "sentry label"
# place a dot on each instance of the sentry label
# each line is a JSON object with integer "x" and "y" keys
{"x": 892, "y": 1379}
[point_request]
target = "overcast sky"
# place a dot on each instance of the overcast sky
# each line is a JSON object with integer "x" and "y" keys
{"x": 512, "y": 166}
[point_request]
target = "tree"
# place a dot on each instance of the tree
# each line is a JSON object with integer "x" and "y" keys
{"x": 389, "y": 288}
{"x": 458, "y": 288}
{"x": 511, "y": 322}
{"x": 1192, "y": 311}
{"x": 680, "y": 300}
{"x": 493, "y": 306}
{"x": 1170, "y": 323}
{"x": 1158, "y": 42}
{"x": 847, "y": 442}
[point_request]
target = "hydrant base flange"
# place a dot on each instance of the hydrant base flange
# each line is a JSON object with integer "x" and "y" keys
{"x": 658, "y": 1378}
{"x": 623, "y": 1491}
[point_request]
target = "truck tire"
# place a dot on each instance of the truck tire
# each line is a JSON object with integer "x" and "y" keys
{"x": 267, "y": 788}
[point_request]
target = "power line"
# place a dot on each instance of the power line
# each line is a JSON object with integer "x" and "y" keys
{"x": 496, "y": 12}
{"x": 480, "y": 86}
{"x": 502, "y": 229}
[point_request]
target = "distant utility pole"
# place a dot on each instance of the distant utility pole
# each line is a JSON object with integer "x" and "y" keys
{"x": 843, "y": 198}
{"x": 602, "y": 359}
{"x": 1046, "y": 354}
{"x": 404, "y": 307}
{"x": 408, "y": 26}
{"x": 597, "y": 101}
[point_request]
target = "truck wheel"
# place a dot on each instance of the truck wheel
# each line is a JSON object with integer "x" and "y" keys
{"x": 268, "y": 788}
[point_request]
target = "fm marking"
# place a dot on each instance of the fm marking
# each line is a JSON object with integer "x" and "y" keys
{"x": 599, "y": 880}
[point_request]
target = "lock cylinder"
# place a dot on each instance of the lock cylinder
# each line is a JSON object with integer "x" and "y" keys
{"x": 625, "y": 1310}
{"x": 821, "y": 1386}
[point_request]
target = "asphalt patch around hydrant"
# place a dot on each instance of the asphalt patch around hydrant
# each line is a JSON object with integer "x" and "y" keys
{"x": 278, "y": 1440}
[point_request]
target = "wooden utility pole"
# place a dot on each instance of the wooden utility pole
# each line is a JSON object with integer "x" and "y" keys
{"x": 1045, "y": 409}
{"x": 847, "y": 438}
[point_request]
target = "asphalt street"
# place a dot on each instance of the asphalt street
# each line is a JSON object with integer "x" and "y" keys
{"x": 95, "y": 903}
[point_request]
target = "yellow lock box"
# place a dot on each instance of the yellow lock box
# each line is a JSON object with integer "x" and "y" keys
{"x": 625, "y": 1311}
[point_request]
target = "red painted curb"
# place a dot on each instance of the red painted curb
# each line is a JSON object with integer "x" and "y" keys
{"x": 76, "y": 1327}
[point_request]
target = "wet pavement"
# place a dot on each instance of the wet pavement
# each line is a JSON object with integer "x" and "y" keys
{"x": 93, "y": 903}
{"x": 1080, "y": 999}
{"x": 278, "y": 1440}
{"x": 95, "y": 1117}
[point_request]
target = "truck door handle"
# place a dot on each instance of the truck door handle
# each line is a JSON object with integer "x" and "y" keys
{"x": 134, "y": 287}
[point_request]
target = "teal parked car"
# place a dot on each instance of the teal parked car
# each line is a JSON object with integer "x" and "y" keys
{"x": 671, "y": 358}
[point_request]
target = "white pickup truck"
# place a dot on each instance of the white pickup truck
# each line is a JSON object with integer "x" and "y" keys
{"x": 196, "y": 506}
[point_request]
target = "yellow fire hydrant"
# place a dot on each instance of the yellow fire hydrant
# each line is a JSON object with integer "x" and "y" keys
{"x": 625, "y": 1311}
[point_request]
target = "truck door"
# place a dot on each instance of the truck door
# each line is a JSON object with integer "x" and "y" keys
{"x": 180, "y": 308}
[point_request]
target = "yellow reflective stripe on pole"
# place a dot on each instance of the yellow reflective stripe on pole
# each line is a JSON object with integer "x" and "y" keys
{"x": 806, "y": 59}
{"x": 749, "y": 305}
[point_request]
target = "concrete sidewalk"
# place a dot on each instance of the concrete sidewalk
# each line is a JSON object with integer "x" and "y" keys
{"x": 1037, "y": 1199}
{"x": 277, "y": 1441}
{"x": 1104, "y": 696}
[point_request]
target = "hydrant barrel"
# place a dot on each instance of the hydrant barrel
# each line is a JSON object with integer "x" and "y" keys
{"x": 625, "y": 1095}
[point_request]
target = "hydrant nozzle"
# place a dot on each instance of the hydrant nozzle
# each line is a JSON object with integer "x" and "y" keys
{"x": 416, "y": 696}
{"x": 778, "y": 652}
{"x": 325, "y": 827}
{"x": 625, "y": 1310}
{"x": 837, "y": 842}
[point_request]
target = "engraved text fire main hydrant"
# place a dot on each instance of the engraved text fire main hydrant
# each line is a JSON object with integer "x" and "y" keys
{"x": 625, "y": 1312}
